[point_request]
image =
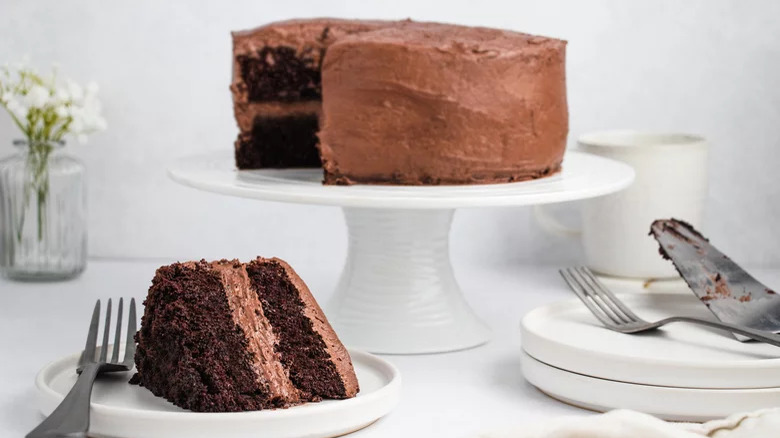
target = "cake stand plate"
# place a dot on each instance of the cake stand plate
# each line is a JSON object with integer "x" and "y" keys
{"x": 121, "y": 410}
{"x": 397, "y": 293}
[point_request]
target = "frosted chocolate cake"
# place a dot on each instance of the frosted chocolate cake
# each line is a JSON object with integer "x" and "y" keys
{"x": 400, "y": 102}
{"x": 226, "y": 336}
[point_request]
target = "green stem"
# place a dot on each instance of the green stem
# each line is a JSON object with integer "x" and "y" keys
{"x": 38, "y": 181}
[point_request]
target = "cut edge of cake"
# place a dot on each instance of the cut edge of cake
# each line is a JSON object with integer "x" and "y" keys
{"x": 276, "y": 89}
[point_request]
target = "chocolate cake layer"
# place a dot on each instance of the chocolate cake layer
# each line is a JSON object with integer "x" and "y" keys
{"x": 279, "y": 142}
{"x": 442, "y": 104}
{"x": 225, "y": 336}
{"x": 281, "y": 74}
{"x": 281, "y": 61}
{"x": 302, "y": 349}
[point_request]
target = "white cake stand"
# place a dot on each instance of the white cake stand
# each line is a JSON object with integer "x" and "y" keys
{"x": 397, "y": 293}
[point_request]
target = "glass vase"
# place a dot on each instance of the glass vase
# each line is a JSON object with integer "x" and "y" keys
{"x": 43, "y": 234}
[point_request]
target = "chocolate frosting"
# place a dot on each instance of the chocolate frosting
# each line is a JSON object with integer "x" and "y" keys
{"x": 248, "y": 314}
{"x": 246, "y": 112}
{"x": 430, "y": 103}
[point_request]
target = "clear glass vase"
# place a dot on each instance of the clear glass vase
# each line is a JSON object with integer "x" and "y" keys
{"x": 43, "y": 233}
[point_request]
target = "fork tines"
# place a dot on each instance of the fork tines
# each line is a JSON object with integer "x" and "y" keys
{"x": 89, "y": 355}
{"x": 599, "y": 300}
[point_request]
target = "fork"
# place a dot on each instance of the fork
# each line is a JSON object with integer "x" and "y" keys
{"x": 71, "y": 418}
{"x": 616, "y": 316}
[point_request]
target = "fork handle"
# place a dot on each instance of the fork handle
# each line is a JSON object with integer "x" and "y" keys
{"x": 758, "y": 335}
{"x": 71, "y": 418}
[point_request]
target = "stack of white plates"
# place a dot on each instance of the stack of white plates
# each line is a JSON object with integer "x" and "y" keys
{"x": 681, "y": 372}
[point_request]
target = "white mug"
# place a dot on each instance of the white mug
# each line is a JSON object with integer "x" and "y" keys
{"x": 671, "y": 181}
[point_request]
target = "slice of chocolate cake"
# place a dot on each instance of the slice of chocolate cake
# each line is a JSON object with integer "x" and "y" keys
{"x": 277, "y": 89}
{"x": 226, "y": 336}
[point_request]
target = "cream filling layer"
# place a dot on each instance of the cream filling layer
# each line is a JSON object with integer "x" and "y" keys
{"x": 248, "y": 314}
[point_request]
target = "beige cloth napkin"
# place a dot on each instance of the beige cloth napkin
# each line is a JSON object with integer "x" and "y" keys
{"x": 630, "y": 424}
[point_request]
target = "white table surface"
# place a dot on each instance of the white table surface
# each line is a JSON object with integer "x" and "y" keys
{"x": 451, "y": 394}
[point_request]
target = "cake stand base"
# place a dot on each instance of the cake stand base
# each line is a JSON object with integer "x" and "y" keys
{"x": 397, "y": 293}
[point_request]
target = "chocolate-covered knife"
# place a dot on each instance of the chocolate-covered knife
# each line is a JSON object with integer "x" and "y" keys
{"x": 732, "y": 294}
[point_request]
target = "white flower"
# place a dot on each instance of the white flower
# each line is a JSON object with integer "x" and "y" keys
{"x": 77, "y": 108}
{"x": 75, "y": 91}
{"x": 17, "y": 109}
{"x": 77, "y": 122}
{"x": 37, "y": 97}
{"x": 61, "y": 95}
{"x": 91, "y": 104}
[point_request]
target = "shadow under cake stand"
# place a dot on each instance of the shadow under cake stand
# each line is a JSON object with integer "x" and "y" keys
{"x": 397, "y": 293}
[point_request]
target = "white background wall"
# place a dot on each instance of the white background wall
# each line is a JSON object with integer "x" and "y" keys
{"x": 708, "y": 67}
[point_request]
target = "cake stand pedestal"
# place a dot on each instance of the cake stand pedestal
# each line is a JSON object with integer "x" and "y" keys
{"x": 397, "y": 293}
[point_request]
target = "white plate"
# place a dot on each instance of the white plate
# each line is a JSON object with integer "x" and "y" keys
{"x": 583, "y": 176}
{"x": 567, "y": 336}
{"x": 633, "y": 285}
{"x": 121, "y": 410}
{"x": 673, "y": 404}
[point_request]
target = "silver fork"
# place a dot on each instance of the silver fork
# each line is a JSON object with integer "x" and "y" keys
{"x": 71, "y": 418}
{"x": 616, "y": 316}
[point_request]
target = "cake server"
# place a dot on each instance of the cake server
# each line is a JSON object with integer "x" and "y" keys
{"x": 732, "y": 294}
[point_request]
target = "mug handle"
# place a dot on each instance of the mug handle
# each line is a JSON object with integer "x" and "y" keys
{"x": 552, "y": 225}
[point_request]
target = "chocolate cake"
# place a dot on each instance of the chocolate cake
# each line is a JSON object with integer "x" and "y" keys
{"x": 226, "y": 336}
{"x": 400, "y": 102}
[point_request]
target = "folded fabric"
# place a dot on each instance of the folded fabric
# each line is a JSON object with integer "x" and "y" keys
{"x": 624, "y": 423}
{"x": 759, "y": 424}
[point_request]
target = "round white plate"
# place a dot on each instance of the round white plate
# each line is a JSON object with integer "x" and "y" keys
{"x": 673, "y": 404}
{"x": 632, "y": 285}
{"x": 583, "y": 176}
{"x": 121, "y": 410}
{"x": 567, "y": 336}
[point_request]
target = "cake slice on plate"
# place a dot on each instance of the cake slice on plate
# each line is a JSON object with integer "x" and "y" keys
{"x": 226, "y": 336}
